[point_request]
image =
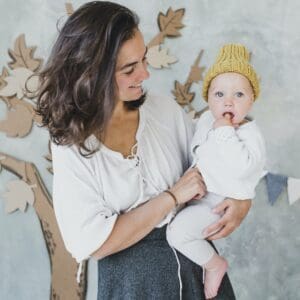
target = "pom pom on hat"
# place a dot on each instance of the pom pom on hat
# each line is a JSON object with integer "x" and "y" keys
{"x": 232, "y": 58}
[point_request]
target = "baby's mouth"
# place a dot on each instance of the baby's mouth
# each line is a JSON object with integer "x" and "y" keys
{"x": 230, "y": 114}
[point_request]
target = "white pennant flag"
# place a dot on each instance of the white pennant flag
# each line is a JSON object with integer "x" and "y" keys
{"x": 293, "y": 187}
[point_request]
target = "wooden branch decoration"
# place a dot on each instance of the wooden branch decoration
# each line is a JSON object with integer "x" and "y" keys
{"x": 63, "y": 266}
{"x": 48, "y": 157}
{"x": 182, "y": 91}
{"x": 69, "y": 8}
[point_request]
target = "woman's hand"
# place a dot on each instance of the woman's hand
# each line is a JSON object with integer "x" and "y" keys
{"x": 189, "y": 186}
{"x": 234, "y": 211}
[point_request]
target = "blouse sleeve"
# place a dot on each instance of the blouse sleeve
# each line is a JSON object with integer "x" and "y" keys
{"x": 83, "y": 218}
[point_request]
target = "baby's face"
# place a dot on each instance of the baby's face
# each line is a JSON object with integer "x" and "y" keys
{"x": 230, "y": 93}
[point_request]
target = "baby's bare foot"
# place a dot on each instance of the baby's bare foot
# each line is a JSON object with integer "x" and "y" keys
{"x": 214, "y": 276}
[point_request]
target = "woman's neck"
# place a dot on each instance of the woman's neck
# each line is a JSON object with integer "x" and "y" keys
{"x": 121, "y": 112}
{"x": 120, "y": 134}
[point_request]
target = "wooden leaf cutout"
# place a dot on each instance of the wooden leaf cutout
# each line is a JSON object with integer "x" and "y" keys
{"x": 183, "y": 97}
{"x": 18, "y": 121}
{"x": 69, "y": 8}
{"x": 22, "y": 56}
{"x": 1, "y": 157}
{"x": 18, "y": 195}
{"x": 3, "y": 83}
{"x": 4, "y": 74}
{"x": 170, "y": 23}
{"x": 196, "y": 73}
{"x": 159, "y": 58}
{"x": 17, "y": 81}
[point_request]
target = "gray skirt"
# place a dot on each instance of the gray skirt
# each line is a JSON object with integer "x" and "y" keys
{"x": 149, "y": 270}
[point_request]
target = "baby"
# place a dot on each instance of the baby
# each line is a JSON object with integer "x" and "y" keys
{"x": 228, "y": 149}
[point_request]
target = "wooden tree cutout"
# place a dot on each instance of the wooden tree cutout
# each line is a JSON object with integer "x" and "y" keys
{"x": 30, "y": 187}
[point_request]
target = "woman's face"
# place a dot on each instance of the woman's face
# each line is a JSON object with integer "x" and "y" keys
{"x": 131, "y": 69}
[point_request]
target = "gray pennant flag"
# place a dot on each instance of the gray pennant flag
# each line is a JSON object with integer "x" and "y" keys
{"x": 275, "y": 185}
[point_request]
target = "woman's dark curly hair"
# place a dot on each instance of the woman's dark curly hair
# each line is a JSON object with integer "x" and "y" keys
{"x": 78, "y": 90}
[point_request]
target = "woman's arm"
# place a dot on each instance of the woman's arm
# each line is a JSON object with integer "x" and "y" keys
{"x": 132, "y": 226}
{"x": 234, "y": 212}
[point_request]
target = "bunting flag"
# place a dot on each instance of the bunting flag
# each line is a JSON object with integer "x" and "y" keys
{"x": 275, "y": 184}
{"x": 293, "y": 187}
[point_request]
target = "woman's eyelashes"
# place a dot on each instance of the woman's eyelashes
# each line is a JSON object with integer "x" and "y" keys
{"x": 131, "y": 69}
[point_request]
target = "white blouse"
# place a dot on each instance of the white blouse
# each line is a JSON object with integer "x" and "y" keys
{"x": 90, "y": 193}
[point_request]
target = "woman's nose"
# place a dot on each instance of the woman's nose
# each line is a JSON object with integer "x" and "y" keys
{"x": 143, "y": 72}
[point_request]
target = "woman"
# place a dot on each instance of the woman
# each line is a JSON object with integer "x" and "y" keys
{"x": 120, "y": 159}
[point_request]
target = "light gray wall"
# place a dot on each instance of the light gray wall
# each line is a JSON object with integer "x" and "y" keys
{"x": 264, "y": 252}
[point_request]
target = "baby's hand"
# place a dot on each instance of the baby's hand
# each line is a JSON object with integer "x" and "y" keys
{"x": 225, "y": 121}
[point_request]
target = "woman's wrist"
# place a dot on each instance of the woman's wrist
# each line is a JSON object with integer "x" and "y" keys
{"x": 173, "y": 197}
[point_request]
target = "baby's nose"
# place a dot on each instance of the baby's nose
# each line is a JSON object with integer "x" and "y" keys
{"x": 228, "y": 102}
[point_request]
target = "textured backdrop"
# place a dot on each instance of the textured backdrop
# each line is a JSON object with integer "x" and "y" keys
{"x": 264, "y": 252}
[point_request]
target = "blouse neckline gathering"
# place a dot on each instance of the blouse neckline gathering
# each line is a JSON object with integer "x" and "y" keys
{"x": 134, "y": 149}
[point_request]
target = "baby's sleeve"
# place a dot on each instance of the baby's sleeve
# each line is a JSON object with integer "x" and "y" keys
{"x": 84, "y": 220}
{"x": 243, "y": 152}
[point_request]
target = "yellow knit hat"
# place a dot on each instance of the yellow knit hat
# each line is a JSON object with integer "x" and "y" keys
{"x": 232, "y": 58}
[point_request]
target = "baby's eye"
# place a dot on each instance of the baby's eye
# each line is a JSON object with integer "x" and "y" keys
{"x": 219, "y": 94}
{"x": 239, "y": 94}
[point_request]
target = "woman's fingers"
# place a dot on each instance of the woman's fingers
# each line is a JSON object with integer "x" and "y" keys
{"x": 212, "y": 229}
{"x": 221, "y": 207}
{"x": 223, "y": 232}
{"x": 188, "y": 186}
{"x": 234, "y": 211}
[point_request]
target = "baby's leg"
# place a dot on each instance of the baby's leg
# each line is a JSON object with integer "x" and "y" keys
{"x": 184, "y": 233}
